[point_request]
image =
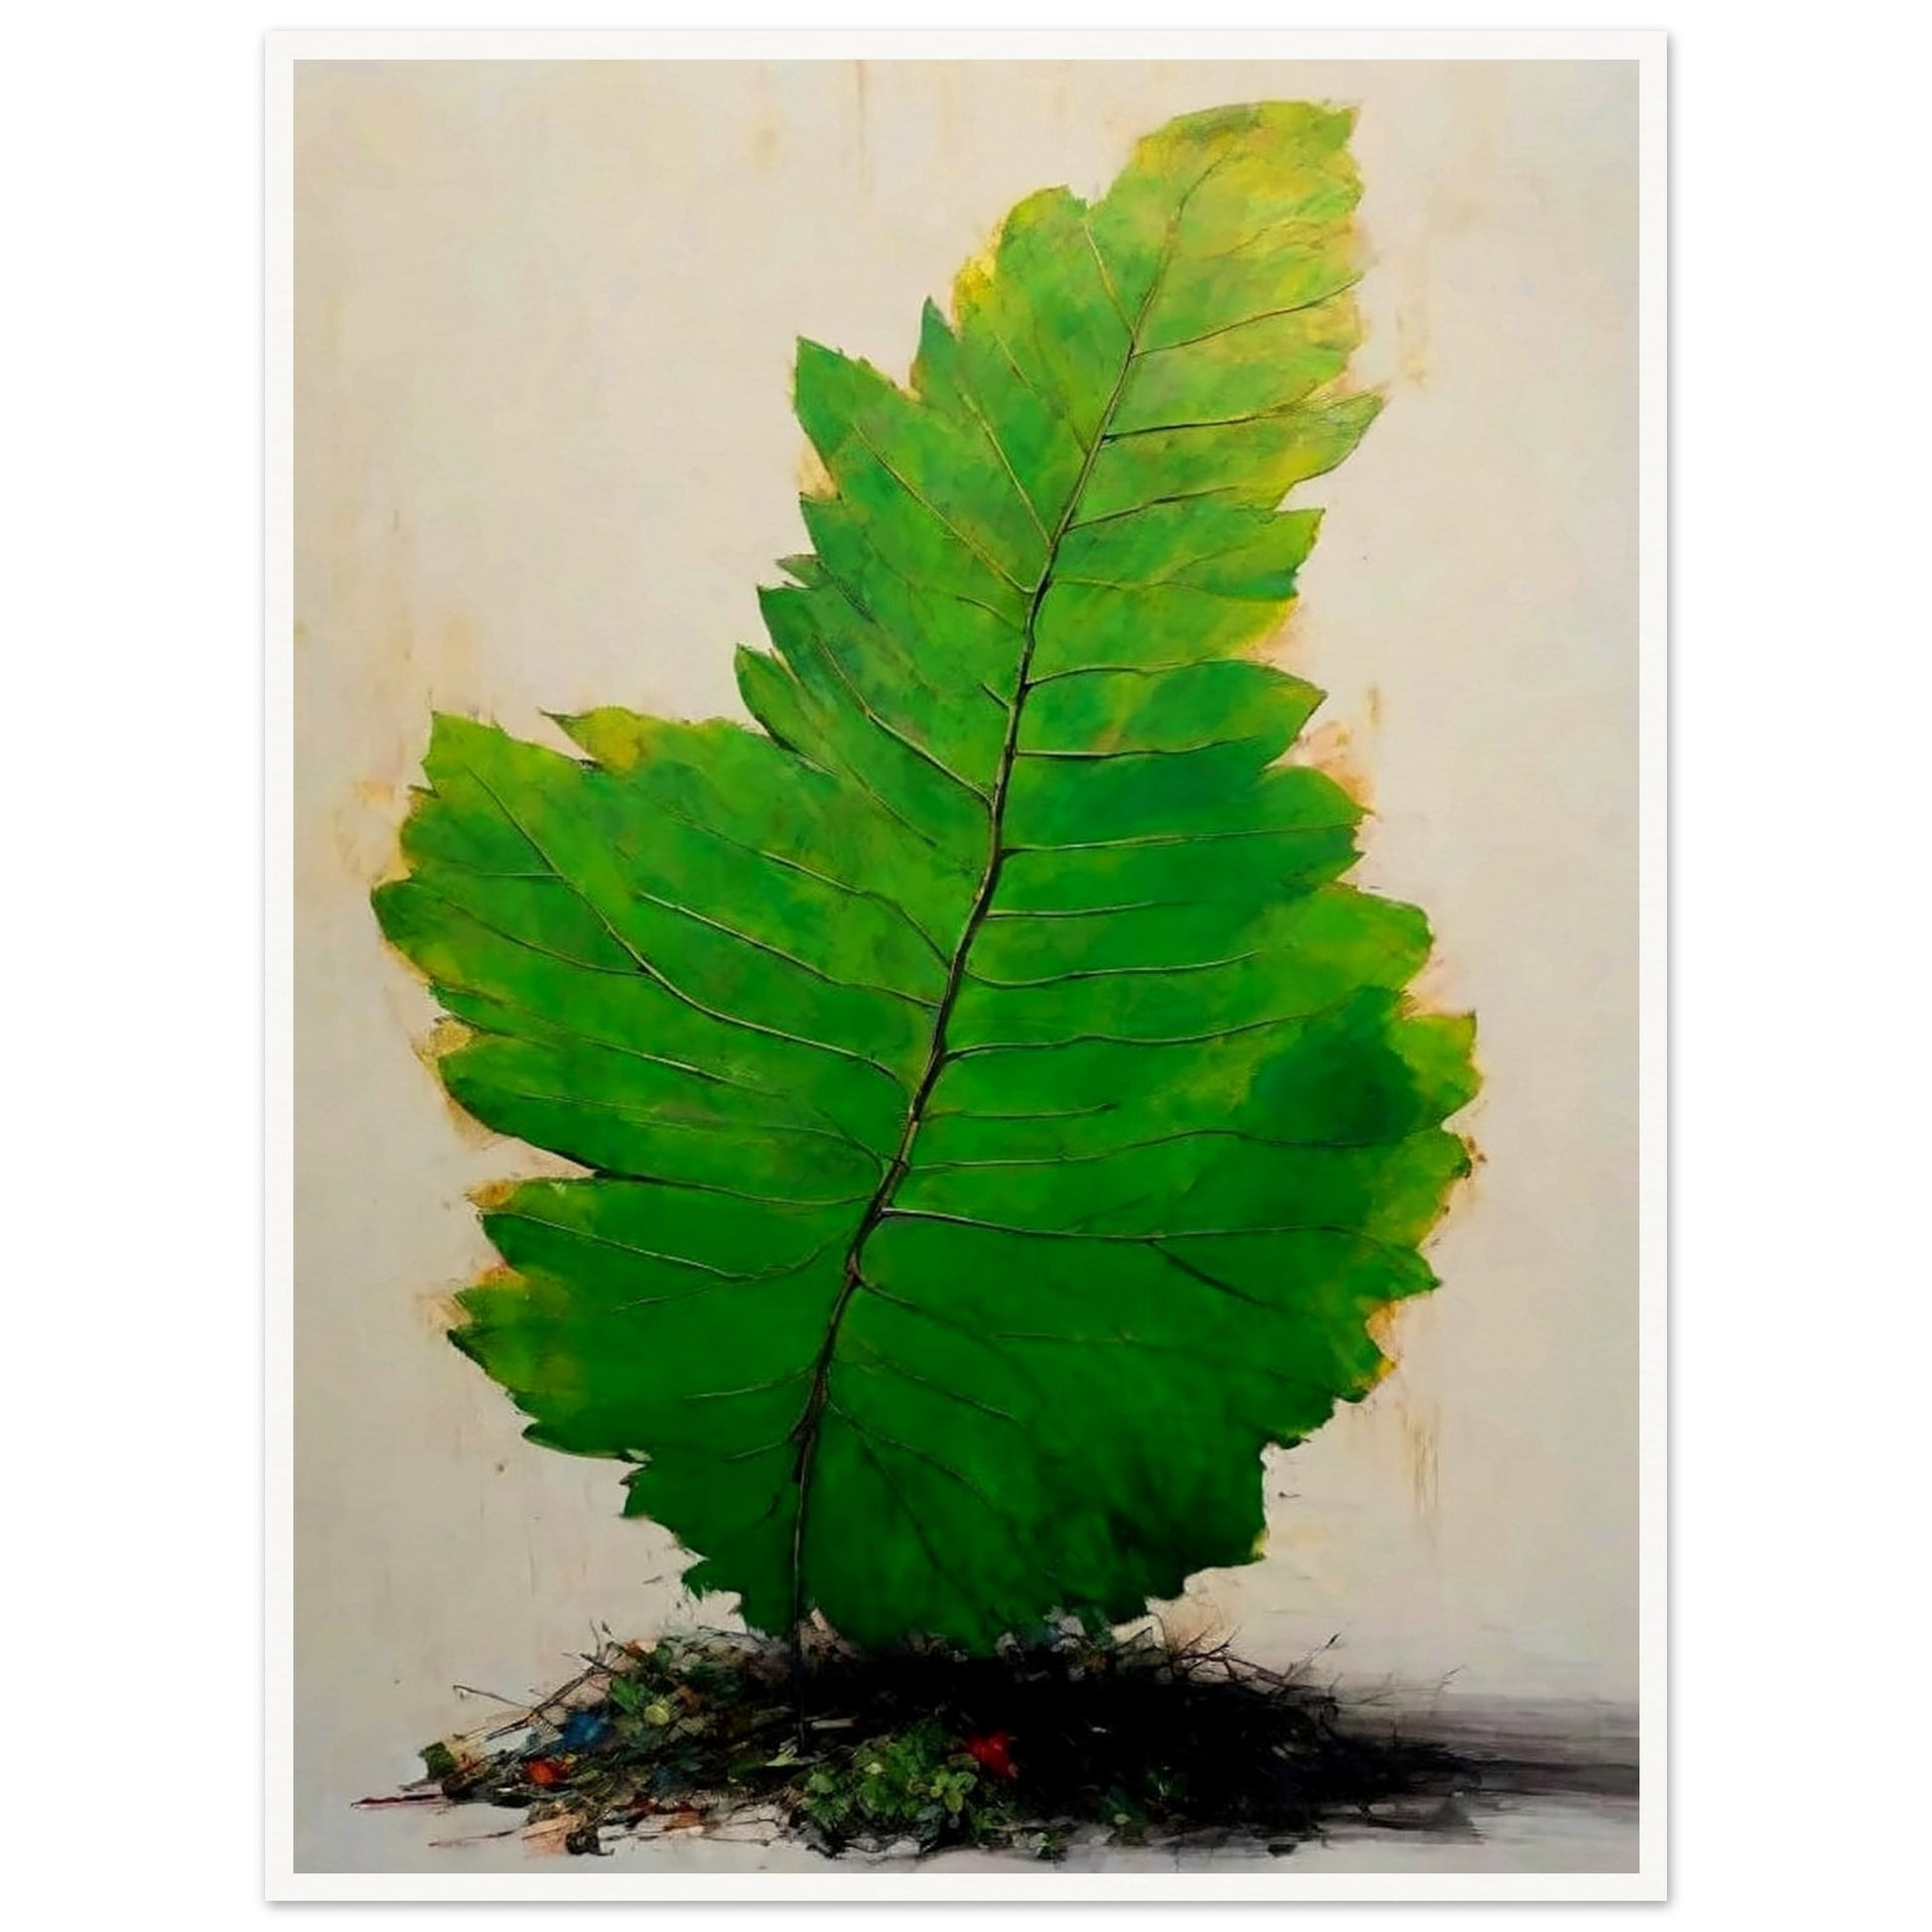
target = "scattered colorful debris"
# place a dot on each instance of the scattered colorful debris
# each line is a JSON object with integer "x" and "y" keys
{"x": 908, "y": 1752}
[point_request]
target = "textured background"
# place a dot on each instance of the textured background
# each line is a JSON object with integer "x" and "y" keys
{"x": 544, "y": 454}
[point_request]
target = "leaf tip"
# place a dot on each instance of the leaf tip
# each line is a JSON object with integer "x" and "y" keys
{"x": 810, "y": 355}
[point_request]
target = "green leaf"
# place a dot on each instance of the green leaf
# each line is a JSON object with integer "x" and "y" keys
{"x": 1001, "y": 1122}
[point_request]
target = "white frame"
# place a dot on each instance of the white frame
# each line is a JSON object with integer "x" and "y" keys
{"x": 282, "y": 1881}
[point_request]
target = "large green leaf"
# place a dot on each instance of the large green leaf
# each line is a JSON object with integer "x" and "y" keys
{"x": 1001, "y": 1122}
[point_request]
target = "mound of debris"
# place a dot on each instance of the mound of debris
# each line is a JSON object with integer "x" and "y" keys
{"x": 1080, "y": 1735}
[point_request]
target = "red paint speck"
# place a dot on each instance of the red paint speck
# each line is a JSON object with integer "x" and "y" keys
{"x": 992, "y": 1753}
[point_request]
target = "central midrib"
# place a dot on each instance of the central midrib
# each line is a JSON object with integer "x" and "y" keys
{"x": 807, "y": 1428}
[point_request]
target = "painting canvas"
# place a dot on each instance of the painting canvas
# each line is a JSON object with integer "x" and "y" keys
{"x": 966, "y": 827}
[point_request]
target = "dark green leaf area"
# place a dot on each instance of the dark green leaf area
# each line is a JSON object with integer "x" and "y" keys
{"x": 676, "y": 1325}
{"x": 1354, "y": 1076}
{"x": 1079, "y": 1408}
{"x": 1250, "y": 1130}
{"x": 1041, "y": 980}
{"x": 1001, "y": 1121}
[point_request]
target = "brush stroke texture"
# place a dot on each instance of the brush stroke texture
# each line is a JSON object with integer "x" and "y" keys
{"x": 1001, "y": 1119}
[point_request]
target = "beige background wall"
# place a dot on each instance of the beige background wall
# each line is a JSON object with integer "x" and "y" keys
{"x": 544, "y": 455}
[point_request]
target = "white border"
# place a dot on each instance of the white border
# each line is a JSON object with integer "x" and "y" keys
{"x": 282, "y": 1880}
{"x": 278, "y": 963}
